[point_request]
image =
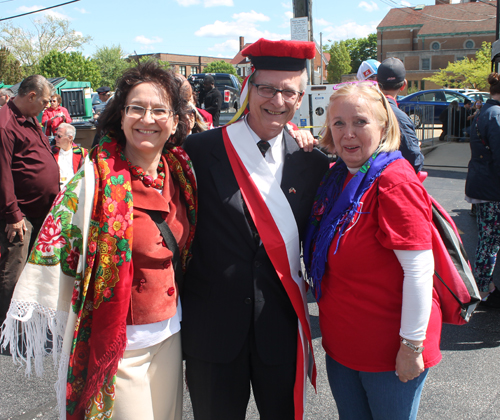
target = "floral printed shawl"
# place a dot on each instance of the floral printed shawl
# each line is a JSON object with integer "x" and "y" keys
{"x": 77, "y": 282}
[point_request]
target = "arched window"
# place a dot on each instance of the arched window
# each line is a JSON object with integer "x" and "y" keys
{"x": 435, "y": 46}
{"x": 469, "y": 44}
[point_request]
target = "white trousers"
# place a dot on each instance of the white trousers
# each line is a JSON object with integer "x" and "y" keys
{"x": 149, "y": 382}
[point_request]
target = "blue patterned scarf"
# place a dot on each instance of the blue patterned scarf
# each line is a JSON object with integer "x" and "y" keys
{"x": 334, "y": 208}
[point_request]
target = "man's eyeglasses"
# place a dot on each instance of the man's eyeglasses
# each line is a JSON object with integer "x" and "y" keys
{"x": 59, "y": 136}
{"x": 270, "y": 92}
{"x": 136, "y": 111}
{"x": 53, "y": 100}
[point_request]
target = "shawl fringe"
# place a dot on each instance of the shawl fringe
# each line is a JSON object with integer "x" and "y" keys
{"x": 108, "y": 364}
{"x": 60, "y": 385}
{"x": 26, "y": 332}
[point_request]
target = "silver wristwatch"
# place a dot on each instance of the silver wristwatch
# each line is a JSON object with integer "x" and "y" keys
{"x": 412, "y": 346}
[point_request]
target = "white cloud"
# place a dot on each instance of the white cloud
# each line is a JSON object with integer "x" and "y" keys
{"x": 187, "y": 3}
{"x": 81, "y": 10}
{"x": 215, "y": 3}
{"x": 141, "y": 39}
{"x": 348, "y": 30}
{"x": 321, "y": 22}
{"x": 369, "y": 7}
{"x": 289, "y": 15}
{"x": 250, "y": 17}
{"x": 243, "y": 24}
{"x": 287, "y": 5}
{"x": 405, "y": 3}
{"x": 228, "y": 48}
{"x": 26, "y": 9}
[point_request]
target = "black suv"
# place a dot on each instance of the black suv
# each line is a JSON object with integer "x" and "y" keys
{"x": 227, "y": 84}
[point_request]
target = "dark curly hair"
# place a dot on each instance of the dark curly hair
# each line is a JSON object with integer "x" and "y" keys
{"x": 494, "y": 81}
{"x": 149, "y": 72}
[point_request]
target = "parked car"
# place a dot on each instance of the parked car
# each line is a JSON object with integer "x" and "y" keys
{"x": 228, "y": 85}
{"x": 424, "y": 107}
{"x": 479, "y": 96}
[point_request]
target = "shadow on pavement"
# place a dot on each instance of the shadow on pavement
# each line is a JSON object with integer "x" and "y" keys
{"x": 482, "y": 332}
{"x": 440, "y": 173}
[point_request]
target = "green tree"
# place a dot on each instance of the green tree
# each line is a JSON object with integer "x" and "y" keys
{"x": 112, "y": 63}
{"x": 11, "y": 71}
{"x": 466, "y": 73}
{"x": 49, "y": 33}
{"x": 164, "y": 64}
{"x": 340, "y": 62}
{"x": 359, "y": 49}
{"x": 135, "y": 60}
{"x": 220, "y": 67}
{"x": 74, "y": 66}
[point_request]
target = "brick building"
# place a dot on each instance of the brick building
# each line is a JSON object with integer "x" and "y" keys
{"x": 427, "y": 38}
{"x": 185, "y": 64}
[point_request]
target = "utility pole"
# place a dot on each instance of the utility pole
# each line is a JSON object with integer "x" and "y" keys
{"x": 303, "y": 8}
{"x": 321, "y": 56}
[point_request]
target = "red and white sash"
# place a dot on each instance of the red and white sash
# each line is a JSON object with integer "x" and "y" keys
{"x": 278, "y": 231}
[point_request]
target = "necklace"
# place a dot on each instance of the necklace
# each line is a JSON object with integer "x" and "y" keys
{"x": 147, "y": 180}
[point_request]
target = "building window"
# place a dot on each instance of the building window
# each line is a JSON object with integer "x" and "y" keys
{"x": 469, "y": 44}
{"x": 460, "y": 58}
{"x": 435, "y": 46}
{"x": 426, "y": 63}
{"x": 422, "y": 85}
{"x": 409, "y": 84}
{"x": 182, "y": 70}
{"x": 194, "y": 70}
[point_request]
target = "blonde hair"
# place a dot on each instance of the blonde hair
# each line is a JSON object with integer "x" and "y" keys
{"x": 380, "y": 108}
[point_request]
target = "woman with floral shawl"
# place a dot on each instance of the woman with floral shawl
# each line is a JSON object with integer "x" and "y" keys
{"x": 368, "y": 253}
{"x": 101, "y": 278}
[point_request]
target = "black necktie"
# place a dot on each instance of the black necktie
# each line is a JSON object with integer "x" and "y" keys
{"x": 263, "y": 147}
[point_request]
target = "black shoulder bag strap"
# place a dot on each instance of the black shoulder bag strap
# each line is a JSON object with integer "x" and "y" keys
{"x": 171, "y": 245}
{"x": 476, "y": 121}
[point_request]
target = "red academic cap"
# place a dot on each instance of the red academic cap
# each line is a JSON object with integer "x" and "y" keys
{"x": 280, "y": 55}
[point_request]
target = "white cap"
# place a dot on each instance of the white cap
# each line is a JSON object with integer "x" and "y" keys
{"x": 367, "y": 69}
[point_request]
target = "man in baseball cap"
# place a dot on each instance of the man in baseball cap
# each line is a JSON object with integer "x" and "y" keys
{"x": 368, "y": 70}
{"x": 244, "y": 296}
{"x": 391, "y": 80}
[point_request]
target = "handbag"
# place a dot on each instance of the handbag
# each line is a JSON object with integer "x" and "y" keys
{"x": 454, "y": 282}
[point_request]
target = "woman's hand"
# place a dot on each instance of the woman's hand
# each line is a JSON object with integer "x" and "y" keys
{"x": 304, "y": 139}
{"x": 409, "y": 365}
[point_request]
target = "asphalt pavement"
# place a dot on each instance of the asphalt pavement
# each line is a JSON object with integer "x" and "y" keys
{"x": 464, "y": 386}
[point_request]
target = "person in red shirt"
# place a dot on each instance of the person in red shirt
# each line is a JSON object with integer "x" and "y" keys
{"x": 368, "y": 253}
{"x": 54, "y": 116}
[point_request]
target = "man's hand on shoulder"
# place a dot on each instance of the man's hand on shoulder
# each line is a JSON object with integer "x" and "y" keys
{"x": 16, "y": 229}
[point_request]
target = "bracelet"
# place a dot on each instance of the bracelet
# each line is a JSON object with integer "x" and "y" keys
{"x": 411, "y": 346}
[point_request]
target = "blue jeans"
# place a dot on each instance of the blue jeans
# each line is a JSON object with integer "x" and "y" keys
{"x": 373, "y": 395}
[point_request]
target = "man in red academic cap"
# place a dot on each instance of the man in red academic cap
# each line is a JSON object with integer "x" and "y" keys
{"x": 245, "y": 318}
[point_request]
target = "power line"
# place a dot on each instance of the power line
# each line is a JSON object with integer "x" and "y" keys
{"x": 39, "y": 10}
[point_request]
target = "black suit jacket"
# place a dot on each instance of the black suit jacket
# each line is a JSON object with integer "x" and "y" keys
{"x": 231, "y": 287}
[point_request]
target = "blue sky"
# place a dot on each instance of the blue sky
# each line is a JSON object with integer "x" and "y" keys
{"x": 203, "y": 27}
